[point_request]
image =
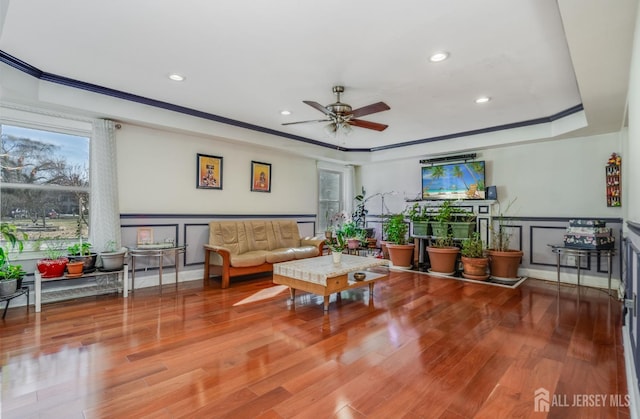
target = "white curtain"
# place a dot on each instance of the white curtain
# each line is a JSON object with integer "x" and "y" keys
{"x": 104, "y": 208}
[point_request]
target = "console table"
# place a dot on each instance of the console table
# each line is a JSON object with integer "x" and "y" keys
{"x": 39, "y": 296}
{"x": 559, "y": 250}
{"x": 158, "y": 251}
{"x": 8, "y": 298}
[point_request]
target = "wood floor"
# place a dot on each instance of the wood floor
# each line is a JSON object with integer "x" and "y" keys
{"x": 423, "y": 347}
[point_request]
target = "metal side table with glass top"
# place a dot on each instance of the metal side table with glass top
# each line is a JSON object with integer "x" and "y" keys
{"x": 579, "y": 253}
{"x": 159, "y": 250}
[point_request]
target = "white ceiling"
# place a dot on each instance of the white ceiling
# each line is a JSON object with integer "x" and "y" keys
{"x": 248, "y": 60}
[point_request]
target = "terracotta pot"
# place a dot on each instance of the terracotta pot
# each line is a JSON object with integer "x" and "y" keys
{"x": 52, "y": 268}
{"x": 75, "y": 267}
{"x": 475, "y": 268}
{"x": 88, "y": 260}
{"x": 385, "y": 250}
{"x": 504, "y": 264}
{"x": 443, "y": 259}
{"x": 353, "y": 243}
{"x": 401, "y": 255}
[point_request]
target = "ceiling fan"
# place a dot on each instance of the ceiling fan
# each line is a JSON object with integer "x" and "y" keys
{"x": 341, "y": 116}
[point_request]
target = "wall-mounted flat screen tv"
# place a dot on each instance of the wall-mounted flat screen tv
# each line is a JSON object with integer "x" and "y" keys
{"x": 454, "y": 181}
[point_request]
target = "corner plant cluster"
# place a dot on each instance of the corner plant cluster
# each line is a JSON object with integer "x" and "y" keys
{"x": 14, "y": 240}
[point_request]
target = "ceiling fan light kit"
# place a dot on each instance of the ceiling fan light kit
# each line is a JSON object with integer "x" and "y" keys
{"x": 342, "y": 117}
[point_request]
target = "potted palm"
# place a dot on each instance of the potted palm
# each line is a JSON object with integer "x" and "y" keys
{"x": 503, "y": 261}
{"x": 474, "y": 260}
{"x": 10, "y": 275}
{"x": 400, "y": 253}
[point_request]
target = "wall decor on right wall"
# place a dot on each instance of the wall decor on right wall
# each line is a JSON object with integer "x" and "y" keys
{"x": 614, "y": 188}
{"x": 260, "y": 177}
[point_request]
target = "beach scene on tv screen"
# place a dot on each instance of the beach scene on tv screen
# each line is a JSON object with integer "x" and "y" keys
{"x": 454, "y": 181}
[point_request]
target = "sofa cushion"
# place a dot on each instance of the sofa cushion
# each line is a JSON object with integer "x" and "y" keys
{"x": 286, "y": 234}
{"x": 304, "y": 252}
{"x": 253, "y": 258}
{"x": 281, "y": 255}
{"x": 229, "y": 234}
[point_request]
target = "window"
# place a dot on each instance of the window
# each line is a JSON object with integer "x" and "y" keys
{"x": 45, "y": 182}
{"x": 330, "y": 200}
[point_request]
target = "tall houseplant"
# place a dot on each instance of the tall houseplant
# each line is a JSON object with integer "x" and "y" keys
{"x": 400, "y": 253}
{"x": 503, "y": 261}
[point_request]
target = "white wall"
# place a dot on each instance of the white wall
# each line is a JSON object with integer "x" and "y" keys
{"x": 157, "y": 175}
{"x": 559, "y": 178}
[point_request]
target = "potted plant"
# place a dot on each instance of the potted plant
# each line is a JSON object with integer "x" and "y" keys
{"x": 474, "y": 260}
{"x": 440, "y": 222}
{"x": 503, "y": 261}
{"x": 54, "y": 262}
{"x": 463, "y": 223}
{"x": 353, "y": 234}
{"x": 112, "y": 257}
{"x": 400, "y": 253}
{"x": 337, "y": 245}
{"x": 419, "y": 218}
{"x": 81, "y": 251}
{"x": 10, "y": 275}
{"x": 443, "y": 255}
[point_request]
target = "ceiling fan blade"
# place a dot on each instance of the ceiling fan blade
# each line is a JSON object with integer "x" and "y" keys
{"x": 368, "y": 124}
{"x": 373, "y": 108}
{"x": 319, "y": 107}
{"x": 304, "y": 122}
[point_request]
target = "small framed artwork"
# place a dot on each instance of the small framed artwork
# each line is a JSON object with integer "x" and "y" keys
{"x": 209, "y": 172}
{"x": 145, "y": 235}
{"x": 260, "y": 177}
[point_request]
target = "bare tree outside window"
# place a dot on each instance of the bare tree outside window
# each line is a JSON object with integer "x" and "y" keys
{"x": 45, "y": 182}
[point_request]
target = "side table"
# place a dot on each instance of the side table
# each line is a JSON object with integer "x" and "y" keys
{"x": 579, "y": 253}
{"x": 18, "y": 293}
{"x": 155, "y": 251}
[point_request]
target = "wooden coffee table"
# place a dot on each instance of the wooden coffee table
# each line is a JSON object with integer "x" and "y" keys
{"x": 321, "y": 276}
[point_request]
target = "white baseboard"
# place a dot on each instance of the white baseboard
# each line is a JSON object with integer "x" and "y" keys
{"x": 571, "y": 278}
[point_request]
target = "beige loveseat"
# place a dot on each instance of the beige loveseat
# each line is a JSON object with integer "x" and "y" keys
{"x": 250, "y": 246}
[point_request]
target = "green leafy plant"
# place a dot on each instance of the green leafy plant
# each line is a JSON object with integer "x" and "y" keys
{"x": 52, "y": 248}
{"x": 14, "y": 240}
{"x": 446, "y": 241}
{"x": 396, "y": 229}
{"x": 79, "y": 249}
{"x": 416, "y": 212}
{"x": 445, "y": 213}
{"x": 473, "y": 247}
{"x": 339, "y": 242}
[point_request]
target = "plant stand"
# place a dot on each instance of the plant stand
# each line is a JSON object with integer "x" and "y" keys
{"x": 18, "y": 293}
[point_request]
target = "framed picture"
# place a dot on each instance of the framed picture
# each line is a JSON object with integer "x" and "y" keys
{"x": 260, "y": 177}
{"x": 209, "y": 172}
{"x": 145, "y": 235}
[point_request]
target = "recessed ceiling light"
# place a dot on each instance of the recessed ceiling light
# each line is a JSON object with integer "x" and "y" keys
{"x": 285, "y": 112}
{"x": 439, "y": 56}
{"x": 176, "y": 77}
{"x": 483, "y": 99}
